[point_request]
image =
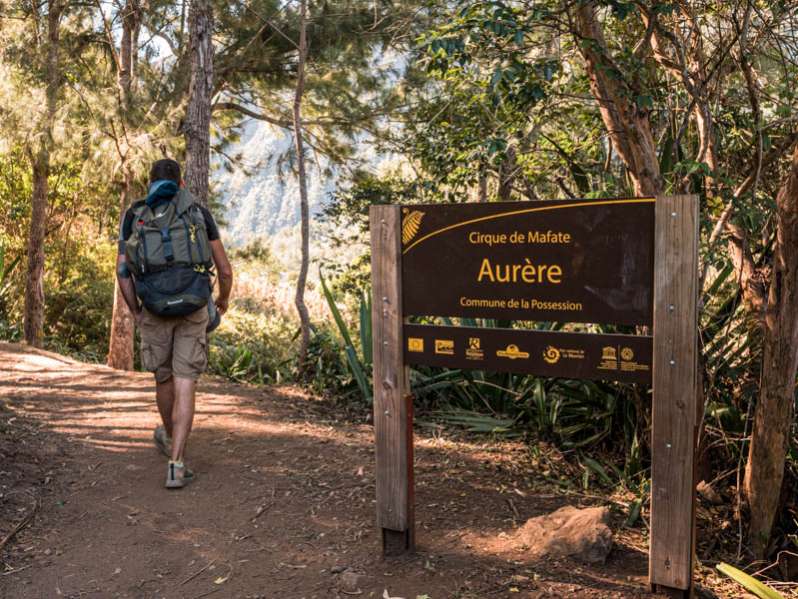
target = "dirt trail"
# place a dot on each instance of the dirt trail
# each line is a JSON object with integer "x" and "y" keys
{"x": 282, "y": 504}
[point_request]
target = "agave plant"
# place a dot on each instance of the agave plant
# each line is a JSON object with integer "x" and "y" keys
{"x": 359, "y": 365}
{"x": 749, "y": 583}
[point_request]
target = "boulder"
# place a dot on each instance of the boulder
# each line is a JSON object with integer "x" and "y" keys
{"x": 569, "y": 532}
{"x": 349, "y": 582}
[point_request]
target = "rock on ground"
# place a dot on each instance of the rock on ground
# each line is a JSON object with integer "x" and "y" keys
{"x": 569, "y": 532}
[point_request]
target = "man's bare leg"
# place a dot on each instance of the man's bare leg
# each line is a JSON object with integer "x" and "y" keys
{"x": 182, "y": 415}
{"x": 165, "y": 397}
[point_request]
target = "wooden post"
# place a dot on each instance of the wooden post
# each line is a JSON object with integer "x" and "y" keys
{"x": 393, "y": 405}
{"x": 675, "y": 394}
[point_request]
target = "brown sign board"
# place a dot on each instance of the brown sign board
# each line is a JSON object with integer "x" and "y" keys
{"x": 625, "y": 358}
{"x": 571, "y": 260}
{"x": 559, "y": 261}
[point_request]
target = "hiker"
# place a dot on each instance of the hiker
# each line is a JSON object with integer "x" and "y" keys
{"x": 168, "y": 245}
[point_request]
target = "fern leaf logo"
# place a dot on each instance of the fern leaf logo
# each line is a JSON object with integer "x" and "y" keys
{"x": 410, "y": 225}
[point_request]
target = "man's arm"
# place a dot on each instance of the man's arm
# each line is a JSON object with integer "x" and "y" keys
{"x": 122, "y": 271}
{"x": 126, "y": 286}
{"x": 225, "y": 271}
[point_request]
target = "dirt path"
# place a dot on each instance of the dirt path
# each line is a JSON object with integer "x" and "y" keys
{"x": 282, "y": 505}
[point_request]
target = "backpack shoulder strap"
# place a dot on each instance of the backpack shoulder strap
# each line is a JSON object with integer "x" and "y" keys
{"x": 140, "y": 209}
{"x": 133, "y": 214}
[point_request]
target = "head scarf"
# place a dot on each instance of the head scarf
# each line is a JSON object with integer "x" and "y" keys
{"x": 161, "y": 191}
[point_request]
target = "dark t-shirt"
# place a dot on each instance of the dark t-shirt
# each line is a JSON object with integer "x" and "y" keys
{"x": 127, "y": 225}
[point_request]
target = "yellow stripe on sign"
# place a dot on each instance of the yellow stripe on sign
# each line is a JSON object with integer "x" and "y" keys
{"x": 525, "y": 211}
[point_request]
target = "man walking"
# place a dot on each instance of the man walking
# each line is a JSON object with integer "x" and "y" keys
{"x": 168, "y": 245}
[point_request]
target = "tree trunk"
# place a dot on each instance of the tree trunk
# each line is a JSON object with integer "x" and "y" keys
{"x": 626, "y": 123}
{"x": 773, "y": 416}
{"x": 40, "y": 161}
{"x": 508, "y": 170}
{"x": 482, "y": 184}
{"x": 299, "y": 299}
{"x": 126, "y": 51}
{"x": 197, "y": 124}
{"x": 34, "y": 282}
{"x": 121, "y": 345}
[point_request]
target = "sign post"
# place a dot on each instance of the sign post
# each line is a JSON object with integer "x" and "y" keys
{"x": 676, "y": 411}
{"x": 393, "y": 405}
{"x": 629, "y": 262}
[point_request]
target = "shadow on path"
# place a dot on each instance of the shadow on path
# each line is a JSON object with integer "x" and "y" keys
{"x": 284, "y": 500}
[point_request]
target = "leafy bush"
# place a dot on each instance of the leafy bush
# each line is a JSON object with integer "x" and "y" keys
{"x": 80, "y": 298}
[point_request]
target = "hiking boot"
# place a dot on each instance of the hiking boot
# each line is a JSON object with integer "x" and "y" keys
{"x": 177, "y": 475}
{"x": 162, "y": 441}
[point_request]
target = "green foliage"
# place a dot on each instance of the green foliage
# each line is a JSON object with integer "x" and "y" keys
{"x": 81, "y": 280}
{"x": 476, "y": 422}
{"x": 358, "y": 365}
{"x": 330, "y": 373}
{"x": 249, "y": 347}
{"x": 255, "y": 341}
{"x": 7, "y": 267}
{"x": 79, "y": 262}
{"x": 575, "y": 414}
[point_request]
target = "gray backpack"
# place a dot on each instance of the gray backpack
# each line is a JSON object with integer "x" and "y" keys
{"x": 170, "y": 255}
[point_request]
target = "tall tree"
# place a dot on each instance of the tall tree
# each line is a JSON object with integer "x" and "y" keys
{"x": 39, "y": 152}
{"x": 304, "y": 212}
{"x": 616, "y": 94}
{"x": 121, "y": 344}
{"x": 773, "y": 418}
{"x": 196, "y": 126}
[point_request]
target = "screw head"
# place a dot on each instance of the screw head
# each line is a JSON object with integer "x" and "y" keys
{"x": 673, "y": 214}
{"x": 673, "y": 362}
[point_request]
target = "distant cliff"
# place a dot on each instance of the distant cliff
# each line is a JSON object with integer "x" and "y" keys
{"x": 261, "y": 195}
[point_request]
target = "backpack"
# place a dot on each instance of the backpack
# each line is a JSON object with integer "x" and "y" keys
{"x": 169, "y": 253}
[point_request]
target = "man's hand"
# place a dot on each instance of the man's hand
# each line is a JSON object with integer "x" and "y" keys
{"x": 222, "y": 304}
{"x": 127, "y": 288}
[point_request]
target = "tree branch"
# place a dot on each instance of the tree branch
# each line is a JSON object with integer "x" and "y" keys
{"x": 283, "y": 124}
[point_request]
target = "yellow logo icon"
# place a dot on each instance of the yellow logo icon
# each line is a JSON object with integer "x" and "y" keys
{"x": 512, "y": 352}
{"x": 410, "y": 224}
{"x": 627, "y": 354}
{"x": 551, "y": 355}
{"x": 474, "y": 349}
{"x": 415, "y": 344}
{"x": 609, "y": 353}
{"x": 444, "y": 346}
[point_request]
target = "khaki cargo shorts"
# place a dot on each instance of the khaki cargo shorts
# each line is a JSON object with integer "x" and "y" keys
{"x": 175, "y": 345}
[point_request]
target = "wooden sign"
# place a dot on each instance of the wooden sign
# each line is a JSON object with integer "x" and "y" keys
{"x": 563, "y": 261}
{"x": 571, "y": 355}
{"x": 623, "y": 261}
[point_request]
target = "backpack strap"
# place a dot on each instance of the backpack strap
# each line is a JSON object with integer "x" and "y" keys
{"x": 168, "y": 251}
{"x": 139, "y": 210}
